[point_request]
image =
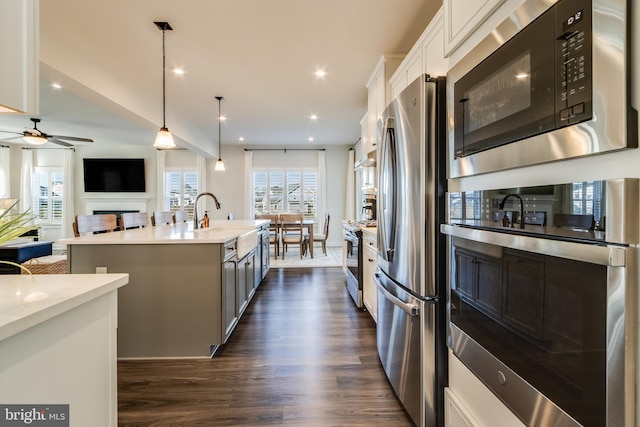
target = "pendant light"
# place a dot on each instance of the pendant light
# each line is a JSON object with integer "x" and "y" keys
{"x": 219, "y": 163}
{"x": 164, "y": 139}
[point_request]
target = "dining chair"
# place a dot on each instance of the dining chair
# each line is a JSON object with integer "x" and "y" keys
{"x": 162, "y": 217}
{"x": 181, "y": 216}
{"x": 130, "y": 220}
{"x": 274, "y": 231}
{"x": 84, "y": 224}
{"x": 292, "y": 232}
{"x": 322, "y": 237}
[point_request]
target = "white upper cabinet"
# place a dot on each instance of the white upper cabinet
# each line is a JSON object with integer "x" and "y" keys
{"x": 364, "y": 136}
{"x": 19, "y": 47}
{"x": 425, "y": 57}
{"x": 379, "y": 96}
{"x": 462, "y": 17}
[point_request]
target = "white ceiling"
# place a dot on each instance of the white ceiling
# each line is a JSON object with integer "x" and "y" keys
{"x": 259, "y": 54}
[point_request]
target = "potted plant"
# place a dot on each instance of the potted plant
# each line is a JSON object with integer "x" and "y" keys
{"x": 13, "y": 225}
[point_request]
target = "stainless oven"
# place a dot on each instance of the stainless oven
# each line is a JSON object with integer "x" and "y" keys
{"x": 544, "y": 309}
{"x": 352, "y": 263}
{"x": 550, "y": 82}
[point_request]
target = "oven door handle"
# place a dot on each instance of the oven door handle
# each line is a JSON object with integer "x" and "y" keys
{"x": 411, "y": 309}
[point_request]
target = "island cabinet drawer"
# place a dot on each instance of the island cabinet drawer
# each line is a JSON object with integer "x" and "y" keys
{"x": 230, "y": 250}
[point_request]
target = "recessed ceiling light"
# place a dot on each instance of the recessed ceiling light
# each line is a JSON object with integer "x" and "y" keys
{"x": 313, "y": 117}
{"x": 241, "y": 138}
{"x": 178, "y": 71}
{"x": 223, "y": 118}
{"x": 310, "y": 139}
{"x": 320, "y": 73}
{"x": 56, "y": 85}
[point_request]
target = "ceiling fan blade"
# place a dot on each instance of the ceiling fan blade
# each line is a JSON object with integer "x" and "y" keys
{"x": 10, "y": 131}
{"x": 71, "y": 138}
{"x": 55, "y": 140}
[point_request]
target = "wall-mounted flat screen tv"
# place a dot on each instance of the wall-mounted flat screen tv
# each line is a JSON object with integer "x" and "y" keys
{"x": 114, "y": 175}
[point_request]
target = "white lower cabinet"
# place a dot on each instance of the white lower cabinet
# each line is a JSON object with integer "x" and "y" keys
{"x": 455, "y": 414}
{"x": 369, "y": 259}
{"x": 468, "y": 402}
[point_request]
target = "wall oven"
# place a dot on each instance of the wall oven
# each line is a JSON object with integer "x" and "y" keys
{"x": 352, "y": 262}
{"x": 549, "y": 83}
{"x": 543, "y": 307}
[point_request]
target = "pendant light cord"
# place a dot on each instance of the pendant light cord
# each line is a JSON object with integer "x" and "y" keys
{"x": 164, "y": 124}
{"x": 219, "y": 98}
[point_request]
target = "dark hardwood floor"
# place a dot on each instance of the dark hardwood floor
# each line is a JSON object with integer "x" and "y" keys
{"x": 301, "y": 355}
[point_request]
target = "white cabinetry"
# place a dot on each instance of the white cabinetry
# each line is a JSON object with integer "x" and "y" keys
{"x": 379, "y": 96}
{"x": 19, "y": 44}
{"x": 364, "y": 137}
{"x": 473, "y": 404}
{"x": 455, "y": 414}
{"x": 369, "y": 259}
{"x": 462, "y": 17}
{"x": 425, "y": 57}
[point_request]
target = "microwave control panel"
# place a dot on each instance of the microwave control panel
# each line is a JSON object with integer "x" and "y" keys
{"x": 574, "y": 59}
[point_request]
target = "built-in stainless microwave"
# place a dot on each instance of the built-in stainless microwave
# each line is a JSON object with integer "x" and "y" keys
{"x": 549, "y": 83}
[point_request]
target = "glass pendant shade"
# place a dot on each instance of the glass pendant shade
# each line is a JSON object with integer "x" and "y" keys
{"x": 219, "y": 165}
{"x": 164, "y": 139}
{"x": 34, "y": 139}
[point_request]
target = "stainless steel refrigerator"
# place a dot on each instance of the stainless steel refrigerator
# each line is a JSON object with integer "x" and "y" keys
{"x": 411, "y": 332}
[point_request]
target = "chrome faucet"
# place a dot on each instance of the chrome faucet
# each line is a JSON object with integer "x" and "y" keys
{"x": 521, "y": 209}
{"x": 195, "y": 207}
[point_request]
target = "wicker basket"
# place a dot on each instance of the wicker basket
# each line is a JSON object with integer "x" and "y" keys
{"x": 50, "y": 264}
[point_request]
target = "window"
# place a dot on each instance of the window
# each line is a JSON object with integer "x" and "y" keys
{"x": 180, "y": 191}
{"x": 48, "y": 189}
{"x": 285, "y": 190}
{"x": 466, "y": 205}
{"x": 587, "y": 198}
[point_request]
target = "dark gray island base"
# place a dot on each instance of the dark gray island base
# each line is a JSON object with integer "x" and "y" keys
{"x": 184, "y": 297}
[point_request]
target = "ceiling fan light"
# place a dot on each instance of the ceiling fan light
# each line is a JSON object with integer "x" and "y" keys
{"x": 34, "y": 139}
{"x": 164, "y": 139}
{"x": 219, "y": 165}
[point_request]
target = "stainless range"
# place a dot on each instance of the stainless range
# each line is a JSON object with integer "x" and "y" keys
{"x": 352, "y": 257}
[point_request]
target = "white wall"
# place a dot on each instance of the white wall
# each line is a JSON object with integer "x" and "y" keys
{"x": 228, "y": 186}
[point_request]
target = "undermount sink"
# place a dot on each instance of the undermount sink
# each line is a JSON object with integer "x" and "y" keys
{"x": 246, "y": 242}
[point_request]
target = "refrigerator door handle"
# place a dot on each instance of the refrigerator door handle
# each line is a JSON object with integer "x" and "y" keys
{"x": 411, "y": 309}
{"x": 389, "y": 183}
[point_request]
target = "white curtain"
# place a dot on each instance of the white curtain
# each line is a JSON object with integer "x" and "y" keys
{"x": 322, "y": 185}
{"x": 350, "y": 202}
{"x": 68, "y": 197}
{"x": 26, "y": 174}
{"x": 203, "y": 184}
{"x": 248, "y": 178}
{"x": 5, "y": 172}
{"x": 160, "y": 162}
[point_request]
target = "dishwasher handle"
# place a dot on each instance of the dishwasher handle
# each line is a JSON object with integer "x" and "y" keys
{"x": 411, "y": 309}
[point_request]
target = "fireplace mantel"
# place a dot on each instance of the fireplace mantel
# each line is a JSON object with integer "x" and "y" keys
{"x": 115, "y": 202}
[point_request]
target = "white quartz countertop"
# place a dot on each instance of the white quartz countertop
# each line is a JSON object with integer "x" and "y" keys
{"x": 26, "y": 301}
{"x": 217, "y": 232}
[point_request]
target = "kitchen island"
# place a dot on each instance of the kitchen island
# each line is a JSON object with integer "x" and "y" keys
{"x": 188, "y": 288}
{"x": 58, "y": 344}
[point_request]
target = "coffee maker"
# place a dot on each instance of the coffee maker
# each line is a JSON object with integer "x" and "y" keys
{"x": 369, "y": 207}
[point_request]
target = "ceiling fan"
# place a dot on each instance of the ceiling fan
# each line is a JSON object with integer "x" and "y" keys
{"x": 35, "y": 136}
